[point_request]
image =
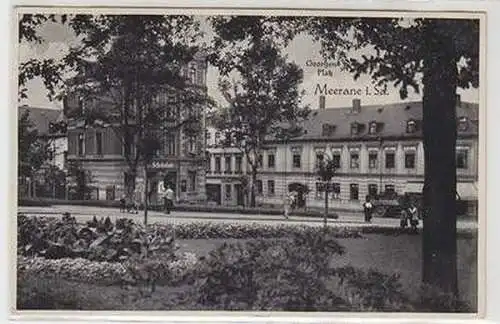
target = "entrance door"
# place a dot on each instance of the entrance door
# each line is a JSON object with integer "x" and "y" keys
{"x": 213, "y": 193}
{"x": 301, "y": 191}
{"x": 240, "y": 197}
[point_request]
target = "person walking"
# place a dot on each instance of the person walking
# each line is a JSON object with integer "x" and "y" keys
{"x": 169, "y": 198}
{"x": 368, "y": 208}
{"x": 287, "y": 203}
{"x": 162, "y": 189}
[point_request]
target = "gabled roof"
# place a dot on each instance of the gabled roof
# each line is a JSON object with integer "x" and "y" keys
{"x": 41, "y": 117}
{"x": 392, "y": 120}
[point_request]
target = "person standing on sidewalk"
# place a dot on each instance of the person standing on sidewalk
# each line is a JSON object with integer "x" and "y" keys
{"x": 169, "y": 198}
{"x": 287, "y": 202}
{"x": 368, "y": 207}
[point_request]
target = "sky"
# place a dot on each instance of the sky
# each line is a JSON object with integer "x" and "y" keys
{"x": 302, "y": 50}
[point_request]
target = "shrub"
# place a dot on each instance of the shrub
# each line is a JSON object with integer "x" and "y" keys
{"x": 99, "y": 240}
{"x": 287, "y": 274}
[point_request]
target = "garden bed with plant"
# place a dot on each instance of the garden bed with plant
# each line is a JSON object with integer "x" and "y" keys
{"x": 217, "y": 266}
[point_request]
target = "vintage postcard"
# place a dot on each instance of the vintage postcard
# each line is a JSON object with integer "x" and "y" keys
{"x": 249, "y": 160}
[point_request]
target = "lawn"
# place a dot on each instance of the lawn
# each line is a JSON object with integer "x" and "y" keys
{"x": 386, "y": 253}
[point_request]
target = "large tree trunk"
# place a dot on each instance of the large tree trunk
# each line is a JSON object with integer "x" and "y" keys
{"x": 439, "y": 244}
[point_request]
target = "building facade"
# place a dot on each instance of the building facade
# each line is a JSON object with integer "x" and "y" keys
{"x": 375, "y": 149}
{"x": 98, "y": 149}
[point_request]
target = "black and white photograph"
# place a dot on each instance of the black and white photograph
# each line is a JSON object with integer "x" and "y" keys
{"x": 257, "y": 161}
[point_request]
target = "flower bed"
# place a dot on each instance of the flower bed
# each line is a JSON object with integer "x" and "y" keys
{"x": 132, "y": 272}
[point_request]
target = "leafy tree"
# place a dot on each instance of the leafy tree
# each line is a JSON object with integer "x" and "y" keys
{"x": 48, "y": 69}
{"x": 135, "y": 83}
{"x": 444, "y": 55}
{"x": 264, "y": 99}
{"x": 32, "y": 152}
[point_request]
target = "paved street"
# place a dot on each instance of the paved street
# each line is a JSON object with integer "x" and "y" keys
{"x": 84, "y": 213}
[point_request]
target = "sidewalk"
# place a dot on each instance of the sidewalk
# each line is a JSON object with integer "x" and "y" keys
{"x": 345, "y": 218}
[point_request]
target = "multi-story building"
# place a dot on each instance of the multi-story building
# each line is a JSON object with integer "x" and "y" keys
{"x": 375, "y": 148}
{"x": 100, "y": 152}
{"x": 226, "y": 165}
{"x": 43, "y": 120}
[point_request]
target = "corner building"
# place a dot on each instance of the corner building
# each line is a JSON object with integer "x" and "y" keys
{"x": 99, "y": 151}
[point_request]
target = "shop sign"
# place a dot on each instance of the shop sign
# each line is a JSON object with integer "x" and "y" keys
{"x": 162, "y": 165}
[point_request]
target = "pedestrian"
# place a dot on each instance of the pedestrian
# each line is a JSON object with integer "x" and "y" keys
{"x": 169, "y": 199}
{"x": 161, "y": 194}
{"x": 413, "y": 216}
{"x": 286, "y": 205}
{"x": 368, "y": 208}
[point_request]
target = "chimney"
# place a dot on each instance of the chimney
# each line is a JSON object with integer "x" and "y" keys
{"x": 321, "y": 102}
{"x": 356, "y": 106}
{"x": 458, "y": 102}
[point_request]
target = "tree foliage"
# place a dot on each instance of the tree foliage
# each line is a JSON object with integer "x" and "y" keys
{"x": 440, "y": 55}
{"x": 260, "y": 85}
{"x": 32, "y": 152}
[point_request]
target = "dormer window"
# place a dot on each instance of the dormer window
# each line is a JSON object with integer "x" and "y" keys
{"x": 373, "y": 127}
{"x": 463, "y": 124}
{"x": 354, "y": 128}
{"x": 328, "y": 130}
{"x": 411, "y": 126}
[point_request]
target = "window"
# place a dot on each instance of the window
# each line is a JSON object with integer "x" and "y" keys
{"x": 463, "y": 124}
{"x": 354, "y": 160}
{"x": 192, "y": 73}
{"x": 238, "y": 162}
{"x": 183, "y": 185}
{"x": 271, "y": 161}
{"x": 372, "y": 189}
{"x": 411, "y": 126}
{"x": 354, "y": 191}
{"x": 217, "y": 138}
{"x": 372, "y": 160}
{"x": 228, "y": 192}
{"x": 98, "y": 139}
{"x": 170, "y": 145}
{"x": 270, "y": 187}
{"x": 208, "y": 166}
{"x": 192, "y": 144}
{"x": 207, "y": 135}
{"x": 410, "y": 160}
{"x": 258, "y": 185}
{"x": 81, "y": 144}
{"x": 335, "y": 190}
{"x": 296, "y": 160}
{"x": 328, "y": 130}
{"x": 373, "y": 128}
{"x": 192, "y": 180}
{"x": 319, "y": 158}
{"x": 390, "y": 162}
{"x": 336, "y": 160}
{"x": 260, "y": 161}
{"x": 390, "y": 188}
{"x": 320, "y": 188}
{"x": 462, "y": 157}
{"x": 227, "y": 161}
{"x": 217, "y": 164}
{"x": 354, "y": 129}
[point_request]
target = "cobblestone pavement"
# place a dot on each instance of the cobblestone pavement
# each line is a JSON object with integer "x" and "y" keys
{"x": 84, "y": 213}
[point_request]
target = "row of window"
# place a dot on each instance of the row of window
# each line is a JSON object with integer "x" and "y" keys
{"x": 334, "y": 189}
{"x": 373, "y": 158}
{"x": 168, "y": 147}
